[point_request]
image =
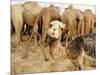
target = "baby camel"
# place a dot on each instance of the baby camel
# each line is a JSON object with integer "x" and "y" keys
{"x": 54, "y": 34}
{"x": 82, "y": 52}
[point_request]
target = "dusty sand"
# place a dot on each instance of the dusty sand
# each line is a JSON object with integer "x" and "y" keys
{"x": 35, "y": 63}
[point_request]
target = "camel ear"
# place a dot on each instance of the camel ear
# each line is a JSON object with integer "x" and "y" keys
{"x": 62, "y": 26}
{"x": 51, "y": 5}
{"x": 53, "y": 23}
{"x": 70, "y": 7}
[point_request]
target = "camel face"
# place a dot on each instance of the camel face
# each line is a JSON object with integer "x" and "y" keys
{"x": 55, "y": 29}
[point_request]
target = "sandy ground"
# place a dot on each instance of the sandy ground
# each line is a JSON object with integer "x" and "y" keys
{"x": 35, "y": 62}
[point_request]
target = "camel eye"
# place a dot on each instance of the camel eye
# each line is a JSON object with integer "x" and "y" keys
{"x": 62, "y": 29}
{"x": 50, "y": 25}
{"x": 54, "y": 29}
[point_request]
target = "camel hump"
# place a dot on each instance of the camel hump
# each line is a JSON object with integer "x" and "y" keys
{"x": 31, "y": 2}
{"x": 51, "y": 5}
{"x": 70, "y": 6}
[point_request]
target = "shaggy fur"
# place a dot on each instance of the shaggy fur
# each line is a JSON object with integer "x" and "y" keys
{"x": 82, "y": 51}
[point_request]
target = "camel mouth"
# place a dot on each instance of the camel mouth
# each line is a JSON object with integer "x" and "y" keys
{"x": 51, "y": 38}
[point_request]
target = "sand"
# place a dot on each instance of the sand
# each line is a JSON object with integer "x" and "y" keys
{"x": 35, "y": 62}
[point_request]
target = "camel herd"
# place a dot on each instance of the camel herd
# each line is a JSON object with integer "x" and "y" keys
{"x": 69, "y": 35}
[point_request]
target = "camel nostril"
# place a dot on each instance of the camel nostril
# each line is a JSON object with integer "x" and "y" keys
{"x": 52, "y": 33}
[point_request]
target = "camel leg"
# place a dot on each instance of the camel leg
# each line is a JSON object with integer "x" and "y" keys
{"x": 18, "y": 27}
{"x": 81, "y": 65}
{"x": 45, "y": 26}
{"x": 26, "y": 53}
{"x": 67, "y": 38}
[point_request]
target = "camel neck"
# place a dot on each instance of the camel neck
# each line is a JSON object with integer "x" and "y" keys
{"x": 54, "y": 44}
